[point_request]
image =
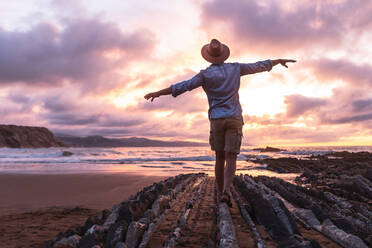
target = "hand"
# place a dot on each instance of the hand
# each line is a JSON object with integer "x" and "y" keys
{"x": 152, "y": 95}
{"x": 284, "y": 61}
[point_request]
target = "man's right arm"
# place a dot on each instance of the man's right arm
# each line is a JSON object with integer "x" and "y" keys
{"x": 179, "y": 88}
{"x": 163, "y": 92}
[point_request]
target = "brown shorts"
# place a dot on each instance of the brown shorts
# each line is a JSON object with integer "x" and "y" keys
{"x": 226, "y": 134}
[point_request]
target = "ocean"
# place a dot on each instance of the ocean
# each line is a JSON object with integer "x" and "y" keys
{"x": 145, "y": 160}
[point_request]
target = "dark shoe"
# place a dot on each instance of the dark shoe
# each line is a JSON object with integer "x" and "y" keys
{"x": 226, "y": 199}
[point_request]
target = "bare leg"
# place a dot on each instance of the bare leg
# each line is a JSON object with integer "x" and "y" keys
{"x": 229, "y": 170}
{"x": 219, "y": 170}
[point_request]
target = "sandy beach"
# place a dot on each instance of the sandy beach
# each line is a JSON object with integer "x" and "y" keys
{"x": 36, "y": 207}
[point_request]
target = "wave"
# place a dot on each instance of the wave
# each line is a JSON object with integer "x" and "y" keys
{"x": 177, "y": 157}
{"x": 253, "y": 155}
{"x": 306, "y": 152}
{"x": 50, "y": 159}
{"x": 156, "y": 166}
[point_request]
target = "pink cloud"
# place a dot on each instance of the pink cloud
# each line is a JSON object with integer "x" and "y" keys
{"x": 268, "y": 28}
{"x": 298, "y": 105}
{"x": 350, "y": 72}
{"x": 291, "y": 135}
{"x": 47, "y": 55}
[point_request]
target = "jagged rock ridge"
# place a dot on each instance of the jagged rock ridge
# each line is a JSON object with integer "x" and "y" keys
{"x": 184, "y": 211}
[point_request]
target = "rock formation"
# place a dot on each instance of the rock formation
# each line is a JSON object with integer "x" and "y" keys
{"x": 184, "y": 211}
{"x": 268, "y": 149}
{"x": 27, "y": 137}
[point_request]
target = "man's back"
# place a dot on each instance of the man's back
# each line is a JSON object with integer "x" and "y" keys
{"x": 221, "y": 83}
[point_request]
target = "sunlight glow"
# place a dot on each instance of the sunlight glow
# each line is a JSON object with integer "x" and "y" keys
{"x": 114, "y": 54}
{"x": 36, "y": 109}
{"x": 123, "y": 99}
{"x": 162, "y": 114}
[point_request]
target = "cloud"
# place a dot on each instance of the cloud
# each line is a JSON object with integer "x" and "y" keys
{"x": 19, "y": 98}
{"x": 298, "y": 105}
{"x": 92, "y": 119}
{"x": 267, "y": 120}
{"x": 347, "y": 105}
{"x": 278, "y": 27}
{"x": 330, "y": 69}
{"x": 352, "y": 119}
{"x": 292, "y": 135}
{"x": 57, "y": 103}
{"x": 362, "y": 104}
{"x": 344, "y": 114}
{"x": 73, "y": 119}
{"x": 68, "y": 8}
{"x": 82, "y": 51}
{"x": 66, "y": 110}
{"x": 16, "y": 103}
{"x": 89, "y": 131}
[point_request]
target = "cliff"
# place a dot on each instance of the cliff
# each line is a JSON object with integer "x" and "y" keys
{"x": 27, "y": 137}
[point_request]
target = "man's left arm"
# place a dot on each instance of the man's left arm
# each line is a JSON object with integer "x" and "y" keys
{"x": 283, "y": 62}
{"x": 260, "y": 66}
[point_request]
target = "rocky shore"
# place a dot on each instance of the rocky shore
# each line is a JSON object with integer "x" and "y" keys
{"x": 268, "y": 149}
{"x": 27, "y": 137}
{"x": 184, "y": 211}
{"x": 345, "y": 174}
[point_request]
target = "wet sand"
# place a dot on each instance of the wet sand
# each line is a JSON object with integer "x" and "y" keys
{"x": 36, "y": 207}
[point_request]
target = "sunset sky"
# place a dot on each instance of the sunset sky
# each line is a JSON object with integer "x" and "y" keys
{"x": 83, "y": 67}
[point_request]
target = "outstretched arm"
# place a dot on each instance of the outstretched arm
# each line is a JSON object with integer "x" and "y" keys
{"x": 153, "y": 95}
{"x": 282, "y": 62}
{"x": 260, "y": 66}
{"x": 179, "y": 88}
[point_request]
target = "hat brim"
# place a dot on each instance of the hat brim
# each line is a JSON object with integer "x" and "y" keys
{"x": 213, "y": 59}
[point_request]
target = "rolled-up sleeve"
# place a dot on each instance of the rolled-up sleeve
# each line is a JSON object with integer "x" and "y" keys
{"x": 187, "y": 85}
{"x": 259, "y": 66}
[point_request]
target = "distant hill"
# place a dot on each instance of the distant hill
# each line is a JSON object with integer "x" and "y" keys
{"x": 39, "y": 137}
{"x": 27, "y": 137}
{"x": 99, "y": 141}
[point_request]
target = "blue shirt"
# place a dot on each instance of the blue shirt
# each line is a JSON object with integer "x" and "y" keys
{"x": 221, "y": 83}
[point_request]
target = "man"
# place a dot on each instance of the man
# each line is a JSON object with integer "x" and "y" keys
{"x": 221, "y": 82}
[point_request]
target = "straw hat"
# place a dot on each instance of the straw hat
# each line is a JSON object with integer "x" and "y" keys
{"x": 215, "y": 52}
